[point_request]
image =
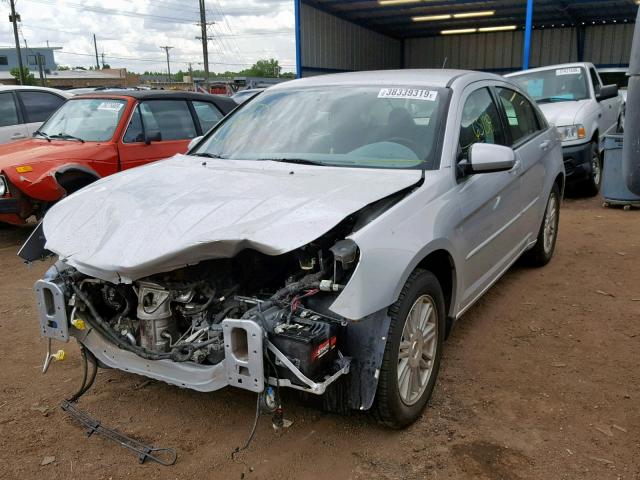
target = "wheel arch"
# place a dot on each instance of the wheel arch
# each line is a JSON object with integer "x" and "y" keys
{"x": 74, "y": 177}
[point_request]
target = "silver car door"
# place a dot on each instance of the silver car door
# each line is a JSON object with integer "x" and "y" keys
{"x": 489, "y": 234}
{"x": 534, "y": 144}
{"x": 11, "y": 128}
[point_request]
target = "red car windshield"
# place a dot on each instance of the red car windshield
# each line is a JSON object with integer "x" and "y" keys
{"x": 86, "y": 119}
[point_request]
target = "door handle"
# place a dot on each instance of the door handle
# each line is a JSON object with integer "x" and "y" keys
{"x": 18, "y": 136}
{"x": 545, "y": 145}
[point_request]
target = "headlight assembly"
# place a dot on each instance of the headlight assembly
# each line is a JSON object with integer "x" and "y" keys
{"x": 3, "y": 186}
{"x": 571, "y": 132}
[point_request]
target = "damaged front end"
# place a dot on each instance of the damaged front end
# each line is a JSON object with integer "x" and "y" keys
{"x": 248, "y": 321}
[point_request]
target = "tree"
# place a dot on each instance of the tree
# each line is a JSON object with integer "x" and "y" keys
{"x": 27, "y": 76}
{"x": 105, "y": 66}
{"x": 63, "y": 68}
{"x": 263, "y": 68}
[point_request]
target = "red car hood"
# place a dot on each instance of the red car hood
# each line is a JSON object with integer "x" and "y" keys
{"x": 34, "y": 151}
{"x": 45, "y": 157}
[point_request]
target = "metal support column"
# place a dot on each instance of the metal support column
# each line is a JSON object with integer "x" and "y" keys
{"x": 527, "y": 36}
{"x": 296, "y": 4}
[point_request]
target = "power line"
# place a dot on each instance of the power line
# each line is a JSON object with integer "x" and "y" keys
{"x": 123, "y": 13}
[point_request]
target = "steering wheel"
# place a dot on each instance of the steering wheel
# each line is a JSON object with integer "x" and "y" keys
{"x": 410, "y": 144}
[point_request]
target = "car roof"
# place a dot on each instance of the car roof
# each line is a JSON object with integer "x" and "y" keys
{"x": 220, "y": 100}
{"x": 415, "y": 77}
{"x": 550, "y": 67}
{"x": 7, "y": 88}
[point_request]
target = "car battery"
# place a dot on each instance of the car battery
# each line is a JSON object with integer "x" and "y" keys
{"x": 309, "y": 345}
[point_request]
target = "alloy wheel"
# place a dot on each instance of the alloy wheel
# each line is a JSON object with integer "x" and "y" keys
{"x": 417, "y": 349}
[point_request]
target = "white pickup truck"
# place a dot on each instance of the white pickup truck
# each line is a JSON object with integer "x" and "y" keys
{"x": 573, "y": 98}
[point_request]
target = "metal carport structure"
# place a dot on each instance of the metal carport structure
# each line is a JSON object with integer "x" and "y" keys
{"x": 493, "y": 35}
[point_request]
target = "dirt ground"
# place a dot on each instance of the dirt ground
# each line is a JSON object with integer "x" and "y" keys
{"x": 540, "y": 379}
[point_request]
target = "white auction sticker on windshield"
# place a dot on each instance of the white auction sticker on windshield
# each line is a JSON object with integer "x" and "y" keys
{"x": 409, "y": 93}
{"x": 568, "y": 71}
{"x": 111, "y": 106}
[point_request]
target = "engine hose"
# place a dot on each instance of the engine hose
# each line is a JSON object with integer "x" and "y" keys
{"x": 177, "y": 353}
{"x": 308, "y": 281}
{"x": 96, "y": 321}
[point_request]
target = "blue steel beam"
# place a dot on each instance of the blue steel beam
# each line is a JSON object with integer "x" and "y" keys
{"x": 527, "y": 36}
{"x": 296, "y": 7}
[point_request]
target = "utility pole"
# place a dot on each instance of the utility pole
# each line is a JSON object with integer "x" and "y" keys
{"x": 102, "y": 55}
{"x": 166, "y": 48}
{"x": 205, "y": 39}
{"x": 15, "y": 18}
{"x": 40, "y": 60}
{"x": 95, "y": 46}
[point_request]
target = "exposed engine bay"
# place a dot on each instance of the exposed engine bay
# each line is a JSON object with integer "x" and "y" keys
{"x": 179, "y": 316}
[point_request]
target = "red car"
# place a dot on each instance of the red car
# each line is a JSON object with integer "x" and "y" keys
{"x": 95, "y": 135}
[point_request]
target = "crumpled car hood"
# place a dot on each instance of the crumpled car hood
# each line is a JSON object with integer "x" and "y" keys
{"x": 184, "y": 210}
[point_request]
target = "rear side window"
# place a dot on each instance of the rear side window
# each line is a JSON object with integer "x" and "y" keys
{"x": 172, "y": 118}
{"x": 521, "y": 116}
{"x": 208, "y": 115}
{"x": 480, "y": 122}
{"x": 8, "y": 110}
{"x": 40, "y": 105}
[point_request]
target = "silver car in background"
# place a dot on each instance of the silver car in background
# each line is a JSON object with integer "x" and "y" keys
{"x": 323, "y": 237}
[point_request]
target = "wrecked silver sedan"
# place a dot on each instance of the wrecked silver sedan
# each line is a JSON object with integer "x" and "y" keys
{"x": 323, "y": 237}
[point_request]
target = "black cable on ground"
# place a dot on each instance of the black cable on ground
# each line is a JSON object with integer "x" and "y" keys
{"x": 253, "y": 431}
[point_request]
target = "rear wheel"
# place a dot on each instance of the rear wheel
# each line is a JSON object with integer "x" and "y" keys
{"x": 413, "y": 351}
{"x": 542, "y": 252}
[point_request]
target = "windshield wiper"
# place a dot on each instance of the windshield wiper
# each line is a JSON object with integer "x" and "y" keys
{"x": 299, "y": 161}
{"x": 66, "y": 136}
{"x": 42, "y": 134}
{"x": 208, "y": 155}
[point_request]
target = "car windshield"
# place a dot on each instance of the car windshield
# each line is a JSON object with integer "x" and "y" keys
{"x": 86, "y": 119}
{"x": 555, "y": 85}
{"x": 379, "y": 127}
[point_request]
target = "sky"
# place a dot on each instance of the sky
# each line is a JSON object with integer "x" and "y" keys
{"x": 130, "y": 33}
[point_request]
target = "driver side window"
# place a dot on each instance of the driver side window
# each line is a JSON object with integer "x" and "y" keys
{"x": 480, "y": 122}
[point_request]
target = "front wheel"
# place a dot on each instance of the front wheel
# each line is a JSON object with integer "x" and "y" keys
{"x": 413, "y": 351}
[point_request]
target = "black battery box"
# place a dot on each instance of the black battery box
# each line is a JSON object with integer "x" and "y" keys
{"x": 310, "y": 345}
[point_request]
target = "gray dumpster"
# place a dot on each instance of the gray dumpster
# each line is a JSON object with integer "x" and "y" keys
{"x": 614, "y": 187}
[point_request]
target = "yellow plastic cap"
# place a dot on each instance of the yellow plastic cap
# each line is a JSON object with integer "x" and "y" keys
{"x": 78, "y": 323}
{"x": 59, "y": 355}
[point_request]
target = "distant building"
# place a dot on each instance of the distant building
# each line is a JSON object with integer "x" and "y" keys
{"x": 109, "y": 77}
{"x": 9, "y": 58}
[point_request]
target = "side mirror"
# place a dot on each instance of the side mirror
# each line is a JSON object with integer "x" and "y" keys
{"x": 194, "y": 142}
{"x": 606, "y": 92}
{"x": 153, "y": 136}
{"x": 487, "y": 158}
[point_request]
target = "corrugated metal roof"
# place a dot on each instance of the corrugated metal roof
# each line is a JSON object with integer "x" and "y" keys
{"x": 397, "y": 21}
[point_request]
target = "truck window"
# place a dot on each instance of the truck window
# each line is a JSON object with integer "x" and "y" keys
{"x": 595, "y": 80}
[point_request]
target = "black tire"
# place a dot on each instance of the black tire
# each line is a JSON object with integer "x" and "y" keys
{"x": 389, "y": 408}
{"x": 542, "y": 252}
{"x": 591, "y": 185}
